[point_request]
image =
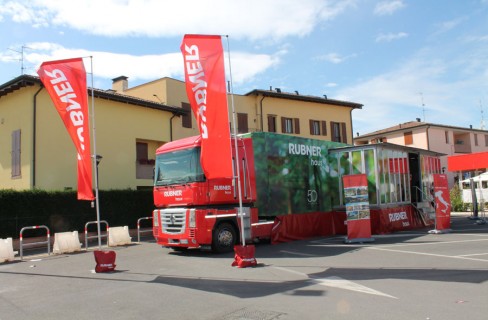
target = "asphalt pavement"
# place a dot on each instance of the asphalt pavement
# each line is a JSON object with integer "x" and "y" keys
{"x": 407, "y": 275}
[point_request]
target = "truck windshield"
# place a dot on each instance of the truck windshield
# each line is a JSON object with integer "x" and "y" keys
{"x": 182, "y": 166}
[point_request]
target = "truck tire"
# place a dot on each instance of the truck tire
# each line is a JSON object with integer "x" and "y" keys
{"x": 224, "y": 238}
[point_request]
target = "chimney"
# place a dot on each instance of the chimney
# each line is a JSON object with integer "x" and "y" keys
{"x": 120, "y": 84}
{"x": 418, "y": 119}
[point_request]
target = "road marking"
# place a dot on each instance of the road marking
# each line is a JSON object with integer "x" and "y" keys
{"x": 474, "y": 254}
{"x": 337, "y": 282}
{"x": 427, "y": 254}
{"x": 299, "y": 253}
{"x": 427, "y": 243}
{"x": 340, "y": 283}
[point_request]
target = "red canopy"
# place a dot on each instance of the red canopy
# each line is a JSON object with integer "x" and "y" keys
{"x": 466, "y": 162}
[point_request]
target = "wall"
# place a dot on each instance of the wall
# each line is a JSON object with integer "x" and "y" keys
{"x": 173, "y": 92}
{"x": 16, "y": 113}
{"x": 118, "y": 127}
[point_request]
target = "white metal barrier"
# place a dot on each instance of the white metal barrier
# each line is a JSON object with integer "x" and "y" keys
{"x": 119, "y": 236}
{"x": 6, "y": 250}
{"x": 139, "y": 231}
{"x": 66, "y": 242}
{"x": 107, "y": 228}
{"x": 31, "y": 244}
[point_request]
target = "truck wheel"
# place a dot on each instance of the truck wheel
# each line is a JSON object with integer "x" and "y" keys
{"x": 224, "y": 238}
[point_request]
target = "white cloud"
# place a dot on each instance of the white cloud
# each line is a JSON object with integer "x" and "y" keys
{"x": 449, "y": 25}
{"x": 251, "y": 19}
{"x": 21, "y": 13}
{"x": 390, "y": 36}
{"x": 472, "y": 38}
{"x": 109, "y": 65}
{"x": 388, "y": 7}
{"x": 335, "y": 57}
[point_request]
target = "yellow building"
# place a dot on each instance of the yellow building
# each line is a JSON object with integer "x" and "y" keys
{"x": 258, "y": 110}
{"x": 37, "y": 152}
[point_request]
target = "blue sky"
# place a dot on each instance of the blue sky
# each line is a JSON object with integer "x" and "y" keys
{"x": 402, "y": 59}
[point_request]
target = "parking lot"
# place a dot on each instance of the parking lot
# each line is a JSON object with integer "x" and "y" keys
{"x": 414, "y": 275}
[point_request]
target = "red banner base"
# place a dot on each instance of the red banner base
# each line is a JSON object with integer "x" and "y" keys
{"x": 244, "y": 256}
{"x": 105, "y": 261}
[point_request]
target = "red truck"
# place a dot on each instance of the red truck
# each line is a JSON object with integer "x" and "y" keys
{"x": 280, "y": 175}
{"x": 291, "y": 189}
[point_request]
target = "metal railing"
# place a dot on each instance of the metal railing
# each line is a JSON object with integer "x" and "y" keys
{"x": 22, "y": 245}
{"x": 424, "y": 196}
{"x": 139, "y": 231}
{"x": 96, "y": 236}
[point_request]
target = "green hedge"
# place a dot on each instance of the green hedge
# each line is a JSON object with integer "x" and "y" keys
{"x": 60, "y": 211}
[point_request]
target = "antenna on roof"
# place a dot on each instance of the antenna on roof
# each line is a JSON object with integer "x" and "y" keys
{"x": 22, "y": 68}
{"x": 423, "y": 105}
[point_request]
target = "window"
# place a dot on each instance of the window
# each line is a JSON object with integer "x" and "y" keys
{"x": 144, "y": 166}
{"x": 176, "y": 167}
{"x": 446, "y": 133}
{"x": 476, "y": 139}
{"x": 318, "y": 128}
{"x": 287, "y": 125}
{"x": 290, "y": 125}
{"x": 314, "y": 128}
{"x": 186, "y": 118}
{"x": 271, "y": 123}
{"x": 141, "y": 152}
{"x": 242, "y": 123}
{"x": 486, "y": 140}
{"x": 338, "y": 131}
{"x": 16, "y": 154}
{"x": 408, "y": 136}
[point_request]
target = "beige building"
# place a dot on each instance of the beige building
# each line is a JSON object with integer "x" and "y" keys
{"x": 444, "y": 139}
{"x": 259, "y": 110}
{"x": 36, "y": 150}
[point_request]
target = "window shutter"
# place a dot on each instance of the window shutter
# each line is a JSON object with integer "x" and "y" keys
{"x": 324, "y": 128}
{"x": 332, "y": 131}
{"x": 311, "y": 126}
{"x": 186, "y": 118}
{"x": 271, "y": 123}
{"x": 283, "y": 126}
{"x": 408, "y": 137}
{"x": 16, "y": 153}
{"x": 242, "y": 126}
{"x": 344, "y": 132}
{"x": 296, "y": 125}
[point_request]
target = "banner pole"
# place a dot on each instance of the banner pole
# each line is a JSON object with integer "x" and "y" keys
{"x": 241, "y": 214}
{"x": 94, "y": 156}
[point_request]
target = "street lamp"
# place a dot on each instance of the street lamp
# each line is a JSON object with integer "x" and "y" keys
{"x": 98, "y": 159}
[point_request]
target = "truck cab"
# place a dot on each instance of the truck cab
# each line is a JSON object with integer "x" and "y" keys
{"x": 193, "y": 211}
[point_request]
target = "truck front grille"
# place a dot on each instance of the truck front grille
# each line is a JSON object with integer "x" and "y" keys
{"x": 173, "y": 221}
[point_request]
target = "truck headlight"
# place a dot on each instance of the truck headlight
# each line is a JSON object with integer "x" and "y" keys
{"x": 155, "y": 218}
{"x": 192, "y": 220}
